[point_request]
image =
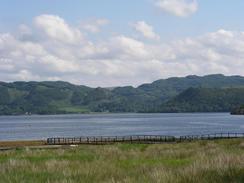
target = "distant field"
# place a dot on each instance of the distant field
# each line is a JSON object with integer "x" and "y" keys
{"x": 200, "y": 162}
{"x": 73, "y": 109}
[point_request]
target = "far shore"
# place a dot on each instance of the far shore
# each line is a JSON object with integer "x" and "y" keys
{"x": 97, "y": 113}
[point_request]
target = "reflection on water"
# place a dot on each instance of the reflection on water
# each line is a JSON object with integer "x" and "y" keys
{"x": 41, "y": 127}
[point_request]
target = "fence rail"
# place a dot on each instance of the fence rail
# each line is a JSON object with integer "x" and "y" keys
{"x": 144, "y": 139}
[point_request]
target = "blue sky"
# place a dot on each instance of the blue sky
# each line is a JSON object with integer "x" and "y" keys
{"x": 212, "y": 14}
{"x": 168, "y": 30}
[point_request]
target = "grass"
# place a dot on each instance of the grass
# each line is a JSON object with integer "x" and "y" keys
{"x": 200, "y": 162}
{"x": 74, "y": 109}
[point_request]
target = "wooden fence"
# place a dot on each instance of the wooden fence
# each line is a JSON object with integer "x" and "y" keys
{"x": 144, "y": 139}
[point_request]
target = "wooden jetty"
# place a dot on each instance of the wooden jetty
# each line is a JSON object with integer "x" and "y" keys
{"x": 139, "y": 139}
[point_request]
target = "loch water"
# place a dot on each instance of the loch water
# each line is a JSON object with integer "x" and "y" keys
{"x": 38, "y": 127}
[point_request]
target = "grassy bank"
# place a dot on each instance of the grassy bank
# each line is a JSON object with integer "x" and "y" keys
{"x": 202, "y": 161}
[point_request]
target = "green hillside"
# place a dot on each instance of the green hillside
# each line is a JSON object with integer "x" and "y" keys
{"x": 205, "y": 100}
{"x": 192, "y": 93}
{"x": 150, "y": 97}
{"x": 40, "y": 97}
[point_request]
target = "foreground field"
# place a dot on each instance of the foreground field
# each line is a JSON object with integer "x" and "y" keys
{"x": 202, "y": 161}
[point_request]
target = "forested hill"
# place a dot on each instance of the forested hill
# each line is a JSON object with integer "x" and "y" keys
{"x": 185, "y": 94}
{"x": 205, "y": 100}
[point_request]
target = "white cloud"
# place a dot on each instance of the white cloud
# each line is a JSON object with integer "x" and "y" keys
{"x": 94, "y": 25}
{"x": 146, "y": 30}
{"x": 117, "y": 60}
{"x": 56, "y": 28}
{"x": 26, "y": 75}
{"x": 180, "y": 8}
{"x": 127, "y": 48}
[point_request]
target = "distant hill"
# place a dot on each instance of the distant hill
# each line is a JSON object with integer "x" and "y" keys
{"x": 178, "y": 94}
{"x": 150, "y": 97}
{"x": 40, "y": 97}
{"x": 205, "y": 100}
{"x": 167, "y": 88}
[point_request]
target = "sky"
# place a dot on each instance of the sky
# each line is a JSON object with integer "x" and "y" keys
{"x": 116, "y": 43}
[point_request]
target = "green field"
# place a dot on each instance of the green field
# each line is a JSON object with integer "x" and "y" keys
{"x": 202, "y": 161}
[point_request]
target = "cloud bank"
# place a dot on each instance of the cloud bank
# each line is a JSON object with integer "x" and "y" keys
{"x": 51, "y": 49}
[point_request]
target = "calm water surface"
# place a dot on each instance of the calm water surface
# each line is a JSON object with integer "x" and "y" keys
{"x": 41, "y": 127}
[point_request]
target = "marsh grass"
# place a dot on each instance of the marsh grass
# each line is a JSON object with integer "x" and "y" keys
{"x": 201, "y": 162}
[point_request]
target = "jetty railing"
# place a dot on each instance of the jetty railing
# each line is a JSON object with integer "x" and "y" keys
{"x": 143, "y": 139}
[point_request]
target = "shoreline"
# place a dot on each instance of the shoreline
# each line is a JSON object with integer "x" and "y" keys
{"x": 99, "y": 113}
{"x": 65, "y": 142}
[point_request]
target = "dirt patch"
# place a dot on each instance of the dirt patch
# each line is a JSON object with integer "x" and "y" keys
{"x": 21, "y": 143}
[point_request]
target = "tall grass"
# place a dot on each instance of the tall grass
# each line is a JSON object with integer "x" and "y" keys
{"x": 200, "y": 162}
